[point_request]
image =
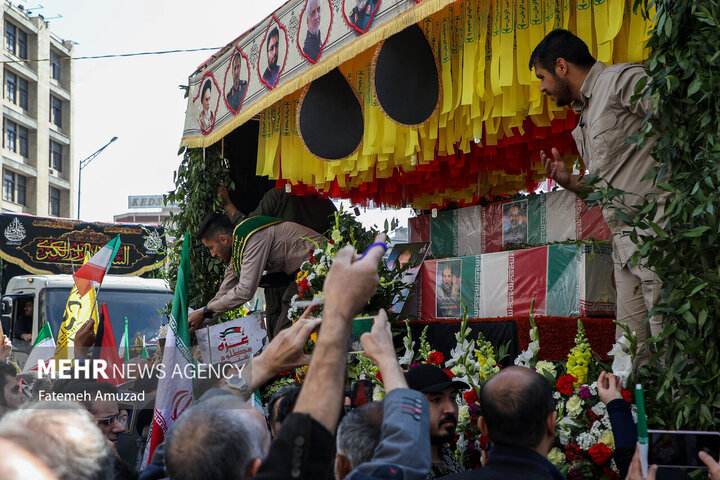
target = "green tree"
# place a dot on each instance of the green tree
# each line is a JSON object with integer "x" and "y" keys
{"x": 684, "y": 68}
{"x": 197, "y": 181}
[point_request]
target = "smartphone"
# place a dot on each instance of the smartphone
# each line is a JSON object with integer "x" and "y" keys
{"x": 360, "y": 326}
{"x": 680, "y": 448}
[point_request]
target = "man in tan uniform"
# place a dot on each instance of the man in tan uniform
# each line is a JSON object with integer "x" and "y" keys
{"x": 257, "y": 244}
{"x": 602, "y": 97}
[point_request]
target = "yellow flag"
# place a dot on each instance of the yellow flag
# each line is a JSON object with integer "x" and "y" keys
{"x": 78, "y": 310}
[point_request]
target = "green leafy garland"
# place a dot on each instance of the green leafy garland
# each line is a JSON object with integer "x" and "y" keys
{"x": 684, "y": 68}
{"x": 197, "y": 180}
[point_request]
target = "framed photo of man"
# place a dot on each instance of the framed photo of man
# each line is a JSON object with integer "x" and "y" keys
{"x": 359, "y": 14}
{"x": 206, "y": 103}
{"x": 273, "y": 54}
{"x": 515, "y": 222}
{"x": 407, "y": 257}
{"x": 237, "y": 78}
{"x": 314, "y": 29}
{"x": 448, "y": 288}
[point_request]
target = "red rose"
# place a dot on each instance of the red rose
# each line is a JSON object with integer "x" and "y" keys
{"x": 627, "y": 395}
{"x": 379, "y": 377}
{"x": 600, "y": 453}
{"x": 471, "y": 396}
{"x": 331, "y": 241}
{"x": 573, "y": 452}
{"x": 312, "y": 259}
{"x": 436, "y": 358}
{"x": 610, "y": 473}
{"x": 591, "y": 415}
{"x": 449, "y": 373}
{"x": 565, "y": 384}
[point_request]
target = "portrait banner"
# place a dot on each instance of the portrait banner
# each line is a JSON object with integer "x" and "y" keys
{"x": 298, "y": 43}
{"x": 563, "y": 280}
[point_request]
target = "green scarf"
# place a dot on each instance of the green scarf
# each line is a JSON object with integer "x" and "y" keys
{"x": 241, "y": 234}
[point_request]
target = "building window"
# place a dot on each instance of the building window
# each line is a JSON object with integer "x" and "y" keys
{"x": 55, "y": 71}
{"x": 14, "y": 187}
{"x": 10, "y": 37}
{"x": 11, "y": 86}
{"x": 15, "y": 40}
{"x": 55, "y": 156}
{"x": 16, "y": 138}
{"x": 11, "y": 136}
{"x": 22, "y": 44}
{"x": 22, "y": 89}
{"x": 56, "y": 111}
{"x": 54, "y": 198}
{"x": 22, "y": 140}
{"x": 16, "y": 90}
{"x": 20, "y": 186}
{"x": 9, "y": 186}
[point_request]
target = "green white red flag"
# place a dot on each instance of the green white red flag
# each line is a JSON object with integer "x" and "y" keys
{"x": 92, "y": 273}
{"x": 174, "y": 392}
{"x": 43, "y": 349}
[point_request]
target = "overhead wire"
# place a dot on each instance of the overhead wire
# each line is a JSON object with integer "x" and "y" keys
{"x": 114, "y": 55}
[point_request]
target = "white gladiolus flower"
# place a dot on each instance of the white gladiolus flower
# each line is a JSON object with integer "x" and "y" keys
{"x": 523, "y": 360}
{"x": 409, "y": 354}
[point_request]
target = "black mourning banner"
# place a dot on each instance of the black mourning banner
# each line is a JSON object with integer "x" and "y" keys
{"x": 406, "y": 77}
{"x": 56, "y": 245}
{"x": 330, "y": 117}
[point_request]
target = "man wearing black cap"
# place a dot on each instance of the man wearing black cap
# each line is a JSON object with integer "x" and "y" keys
{"x": 441, "y": 392}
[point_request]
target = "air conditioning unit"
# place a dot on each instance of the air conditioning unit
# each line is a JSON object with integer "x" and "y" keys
{"x": 54, "y": 172}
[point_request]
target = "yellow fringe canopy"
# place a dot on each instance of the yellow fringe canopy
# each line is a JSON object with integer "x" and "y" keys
{"x": 492, "y": 118}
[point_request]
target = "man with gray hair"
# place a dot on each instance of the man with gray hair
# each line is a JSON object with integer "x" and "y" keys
{"x": 63, "y": 435}
{"x": 222, "y": 437}
{"x": 358, "y": 434}
{"x": 313, "y": 39}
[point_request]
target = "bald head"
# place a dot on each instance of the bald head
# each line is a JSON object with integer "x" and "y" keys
{"x": 516, "y": 404}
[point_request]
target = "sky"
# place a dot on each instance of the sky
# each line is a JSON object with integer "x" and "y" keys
{"x": 138, "y": 99}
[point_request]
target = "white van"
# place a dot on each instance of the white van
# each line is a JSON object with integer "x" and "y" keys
{"x": 141, "y": 300}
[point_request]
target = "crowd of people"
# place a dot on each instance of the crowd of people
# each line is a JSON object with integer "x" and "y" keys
{"x": 306, "y": 432}
{"x": 317, "y": 430}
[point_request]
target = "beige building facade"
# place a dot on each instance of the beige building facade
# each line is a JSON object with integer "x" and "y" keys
{"x": 38, "y": 173}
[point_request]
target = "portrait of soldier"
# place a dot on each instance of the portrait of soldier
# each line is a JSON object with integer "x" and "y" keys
{"x": 515, "y": 222}
{"x": 272, "y": 46}
{"x": 447, "y": 289}
{"x": 237, "y": 92}
{"x": 362, "y": 13}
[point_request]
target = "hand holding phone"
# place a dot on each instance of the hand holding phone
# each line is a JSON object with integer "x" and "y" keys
{"x": 683, "y": 448}
{"x": 712, "y": 466}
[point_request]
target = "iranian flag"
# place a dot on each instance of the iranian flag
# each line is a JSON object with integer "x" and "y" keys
{"x": 92, "y": 273}
{"x": 174, "y": 393}
{"x": 124, "y": 349}
{"x": 43, "y": 349}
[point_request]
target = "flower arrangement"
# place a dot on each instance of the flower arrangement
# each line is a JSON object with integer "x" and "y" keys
{"x": 584, "y": 442}
{"x": 346, "y": 230}
{"x": 472, "y": 361}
